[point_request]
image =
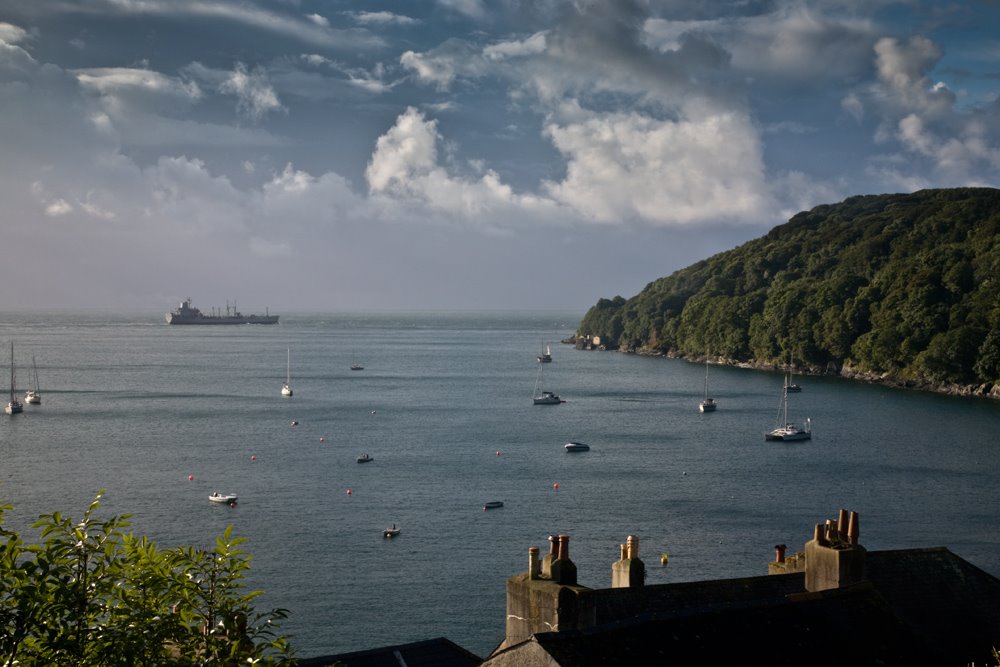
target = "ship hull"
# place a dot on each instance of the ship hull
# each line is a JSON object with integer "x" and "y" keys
{"x": 249, "y": 319}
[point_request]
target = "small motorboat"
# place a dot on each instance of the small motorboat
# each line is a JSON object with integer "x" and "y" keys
{"x": 492, "y": 505}
{"x": 357, "y": 367}
{"x": 576, "y": 447}
{"x": 390, "y": 532}
{"x": 364, "y": 458}
{"x": 223, "y": 498}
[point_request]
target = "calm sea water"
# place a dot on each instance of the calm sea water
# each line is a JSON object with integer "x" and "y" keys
{"x": 134, "y": 406}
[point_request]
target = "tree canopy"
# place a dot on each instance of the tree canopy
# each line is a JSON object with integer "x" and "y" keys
{"x": 904, "y": 285}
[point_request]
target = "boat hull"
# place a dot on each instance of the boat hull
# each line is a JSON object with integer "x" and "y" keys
{"x": 576, "y": 447}
{"x": 33, "y": 398}
{"x": 707, "y": 406}
{"x": 208, "y": 319}
{"x": 13, "y": 408}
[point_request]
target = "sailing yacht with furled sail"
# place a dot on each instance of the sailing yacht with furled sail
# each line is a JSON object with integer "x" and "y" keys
{"x": 708, "y": 404}
{"x": 34, "y": 395}
{"x": 785, "y": 430}
{"x": 545, "y": 397}
{"x": 13, "y": 406}
{"x": 286, "y": 389}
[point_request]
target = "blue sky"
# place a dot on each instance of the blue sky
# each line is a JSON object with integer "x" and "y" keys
{"x": 457, "y": 154}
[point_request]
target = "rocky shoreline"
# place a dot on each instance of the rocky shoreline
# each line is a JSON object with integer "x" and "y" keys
{"x": 986, "y": 390}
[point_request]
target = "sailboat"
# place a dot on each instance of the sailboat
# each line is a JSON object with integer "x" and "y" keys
{"x": 786, "y": 430}
{"x": 545, "y": 357}
{"x": 545, "y": 397}
{"x": 14, "y": 406}
{"x": 286, "y": 389}
{"x": 708, "y": 404}
{"x": 33, "y": 395}
{"x": 790, "y": 386}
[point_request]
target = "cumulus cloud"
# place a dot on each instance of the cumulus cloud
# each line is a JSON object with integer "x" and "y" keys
{"x": 627, "y": 167}
{"x": 321, "y": 21}
{"x": 255, "y": 96}
{"x": 58, "y": 207}
{"x": 531, "y": 46}
{"x": 11, "y": 34}
{"x": 441, "y": 66}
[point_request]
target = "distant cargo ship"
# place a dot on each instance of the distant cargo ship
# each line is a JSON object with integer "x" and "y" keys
{"x": 188, "y": 314}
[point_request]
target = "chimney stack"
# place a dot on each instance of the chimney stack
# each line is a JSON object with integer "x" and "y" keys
{"x": 779, "y": 553}
{"x": 630, "y": 571}
{"x": 834, "y": 559}
{"x": 534, "y": 565}
{"x": 563, "y": 570}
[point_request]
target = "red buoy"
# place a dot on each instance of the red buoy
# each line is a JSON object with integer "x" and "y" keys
{"x": 253, "y": 457}
{"x": 498, "y": 452}
{"x": 348, "y": 492}
{"x": 556, "y": 486}
{"x": 322, "y": 439}
{"x": 190, "y": 478}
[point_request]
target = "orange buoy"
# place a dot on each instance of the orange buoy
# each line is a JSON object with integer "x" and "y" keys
{"x": 190, "y": 478}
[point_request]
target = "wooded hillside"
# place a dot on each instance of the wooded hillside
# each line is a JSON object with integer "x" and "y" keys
{"x": 902, "y": 285}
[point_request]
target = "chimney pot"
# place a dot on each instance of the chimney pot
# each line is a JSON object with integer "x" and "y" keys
{"x": 818, "y": 534}
{"x": 553, "y": 545}
{"x": 842, "y": 525}
{"x": 622, "y": 552}
{"x": 854, "y": 528}
{"x": 779, "y": 553}
{"x": 534, "y": 566}
{"x": 563, "y": 548}
{"x": 632, "y": 548}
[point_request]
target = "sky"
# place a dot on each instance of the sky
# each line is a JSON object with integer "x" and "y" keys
{"x": 335, "y": 155}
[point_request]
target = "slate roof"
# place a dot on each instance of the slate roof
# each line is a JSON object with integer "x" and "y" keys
{"x": 439, "y": 652}
{"x": 917, "y": 607}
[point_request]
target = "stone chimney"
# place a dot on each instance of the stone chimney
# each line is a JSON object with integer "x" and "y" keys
{"x": 629, "y": 571}
{"x": 547, "y": 598}
{"x": 834, "y": 558}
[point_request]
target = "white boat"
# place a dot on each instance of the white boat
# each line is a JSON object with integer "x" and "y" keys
{"x": 547, "y": 398}
{"x": 223, "y": 498}
{"x": 576, "y": 447}
{"x": 364, "y": 458}
{"x": 545, "y": 357}
{"x": 785, "y": 430}
{"x": 492, "y": 505}
{"x": 708, "y": 404}
{"x": 286, "y": 389}
{"x": 391, "y": 532}
{"x": 13, "y": 406}
{"x": 357, "y": 367}
{"x": 790, "y": 386}
{"x": 542, "y": 397}
{"x": 33, "y": 395}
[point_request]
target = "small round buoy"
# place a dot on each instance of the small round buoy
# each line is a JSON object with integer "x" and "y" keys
{"x": 253, "y": 457}
{"x": 373, "y": 412}
{"x": 232, "y": 504}
{"x": 190, "y": 478}
{"x": 663, "y": 559}
{"x": 348, "y": 492}
{"x": 498, "y": 452}
{"x": 685, "y": 473}
{"x": 295, "y": 423}
{"x": 555, "y": 486}
{"x": 322, "y": 439}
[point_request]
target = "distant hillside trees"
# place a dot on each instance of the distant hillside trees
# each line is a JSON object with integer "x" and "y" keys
{"x": 903, "y": 285}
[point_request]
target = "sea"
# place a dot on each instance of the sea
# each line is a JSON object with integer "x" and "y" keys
{"x": 159, "y": 417}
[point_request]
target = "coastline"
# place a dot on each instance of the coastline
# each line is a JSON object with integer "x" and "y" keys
{"x": 986, "y": 390}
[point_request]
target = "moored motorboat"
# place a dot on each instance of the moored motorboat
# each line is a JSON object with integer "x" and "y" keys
{"x": 576, "y": 447}
{"x": 492, "y": 505}
{"x": 223, "y": 498}
{"x": 364, "y": 458}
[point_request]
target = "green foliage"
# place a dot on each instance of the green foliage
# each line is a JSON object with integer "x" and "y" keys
{"x": 899, "y": 284}
{"x": 92, "y": 594}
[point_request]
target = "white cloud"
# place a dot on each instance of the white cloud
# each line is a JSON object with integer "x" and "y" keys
{"x": 382, "y": 18}
{"x": 853, "y": 105}
{"x": 472, "y": 8}
{"x": 58, "y": 207}
{"x": 626, "y": 167}
{"x": 255, "y": 96}
{"x": 440, "y": 66}
{"x": 531, "y": 46}
{"x": 11, "y": 34}
{"x": 321, "y": 21}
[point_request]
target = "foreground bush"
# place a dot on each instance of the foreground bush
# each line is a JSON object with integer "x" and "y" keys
{"x": 92, "y": 594}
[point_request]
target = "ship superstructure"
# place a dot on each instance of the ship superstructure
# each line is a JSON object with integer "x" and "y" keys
{"x": 188, "y": 314}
